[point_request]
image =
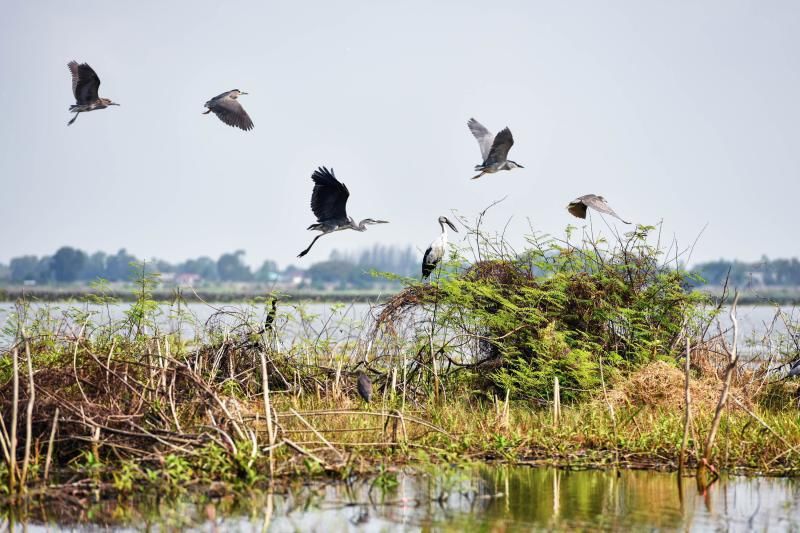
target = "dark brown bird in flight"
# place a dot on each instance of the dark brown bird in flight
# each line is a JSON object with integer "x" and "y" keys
{"x": 85, "y": 84}
{"x": 579, "y": 205}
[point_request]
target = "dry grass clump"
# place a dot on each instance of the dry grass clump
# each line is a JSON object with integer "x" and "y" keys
{"x": 660, "y": 385}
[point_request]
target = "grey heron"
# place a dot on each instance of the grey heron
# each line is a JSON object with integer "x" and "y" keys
{"x": 329, "y": 202}
{"x": 364, "y": 386}
{"x": 494, "y": 149}
{"x": 436, "y": 250}
{"x": 228, "y": 109}
{"x": 85, "y": 84}
{"x": 579, "y": 205}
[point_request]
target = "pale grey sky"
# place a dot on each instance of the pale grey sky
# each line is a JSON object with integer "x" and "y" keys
{"x": 681, "y": 111}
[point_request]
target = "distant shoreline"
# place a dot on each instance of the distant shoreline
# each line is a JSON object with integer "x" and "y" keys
{"x": 60, "y": 294}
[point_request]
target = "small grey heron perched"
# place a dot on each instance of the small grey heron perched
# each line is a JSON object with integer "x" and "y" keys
{"x": 579, "y": 205}
{"x": 85, "y": 84}
{"x": 436, "y": 250}
{"x": 364, "y": 386}
{"x": 228, "y": 109}
{"x": 494, "y": 149}
{"x": 329, "y": 203}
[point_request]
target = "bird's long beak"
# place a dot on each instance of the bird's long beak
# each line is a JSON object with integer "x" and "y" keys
{"x": 381, "y": 221}
{"x": 452, "y": 227}
{"x": 114, "y": 103}
{"x": 245, "y": 93}
{"x": 520, "y": 166}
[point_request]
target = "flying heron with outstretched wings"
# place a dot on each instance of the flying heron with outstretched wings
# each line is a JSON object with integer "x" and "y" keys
{"x": 494, "y": 149}
{"x": 85, "y": 84}
{"x": 329, "y": 204}
{"x": 579, "y": 206}
{"x": 228, "y": 109}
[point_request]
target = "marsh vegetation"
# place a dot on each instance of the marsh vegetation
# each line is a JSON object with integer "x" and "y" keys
{"x": 578, "y": 352}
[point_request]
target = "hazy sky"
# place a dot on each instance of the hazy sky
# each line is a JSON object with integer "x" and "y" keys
{"x": 681, "y": 111}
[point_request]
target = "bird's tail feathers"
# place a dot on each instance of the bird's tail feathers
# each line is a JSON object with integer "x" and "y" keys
{"x": 315, "y": 227}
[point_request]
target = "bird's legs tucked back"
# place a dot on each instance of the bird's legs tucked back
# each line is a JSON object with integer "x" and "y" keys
{"x": 74, "y": 118}
{"x": 478, "y": 176}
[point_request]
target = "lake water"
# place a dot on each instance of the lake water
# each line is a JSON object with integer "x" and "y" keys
{"x": 486, "y": 498}
{"x": 341, "y": 321}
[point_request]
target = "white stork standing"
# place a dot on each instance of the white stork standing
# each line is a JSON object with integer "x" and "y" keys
{"x": 436, "y": 250}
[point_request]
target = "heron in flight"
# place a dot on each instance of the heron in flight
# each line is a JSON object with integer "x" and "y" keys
{"x": 85, "y": 84}
{"x": 579, "y": 205}
{"x": 494, "y": 149}
{"x": 364, "y": 386}
{"x": 228, "y": 109}
{"x": 329, "y": 203}
{"x": 436, "y": 250}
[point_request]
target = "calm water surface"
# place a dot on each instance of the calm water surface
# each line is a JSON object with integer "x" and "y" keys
{"x": 488, "y": 498}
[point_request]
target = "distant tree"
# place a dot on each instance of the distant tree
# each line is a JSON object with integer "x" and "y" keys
{"x": 118, "y": 266}
{"x": 267, "y": 272}
{"x": 95, "y": 267}
{"x": 205, "y": 267}
{"x": 5, "y": 273}
{"x": 24, "y": 267}
{"x": 231, "y": 267}
{"x": 341, "y": 272}
{"x": 159, "y": 265}
{"x": 67, "y": 264}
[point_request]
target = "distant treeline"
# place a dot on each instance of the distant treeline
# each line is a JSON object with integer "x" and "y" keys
{"x": 766, "y": 272}
{"x": 71, "y": 265}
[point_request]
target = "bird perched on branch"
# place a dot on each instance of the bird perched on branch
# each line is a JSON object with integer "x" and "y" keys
{"x": 364, "y": 386}
{"x": 579, "y": 205}
{"x": 494, "y": 149}
{"x": 228, "y": 109}
{"x": 329, "y": 204}
{"x": 436, "y": 250}
{"x": 271, "y": 314}
{"x": 85, "y": 84}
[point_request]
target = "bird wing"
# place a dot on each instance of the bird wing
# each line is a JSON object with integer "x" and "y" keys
{"x": 329, "y": 199}
{"x": 503, "y": 142}
{"x": 599, "y": 204}
{"x": 577, "y": 208}
{"x": 231, "y": 112}
{"x": 484, "y": 136}
{"x": 85, "y": 82}
{"x": 431, "y": 258}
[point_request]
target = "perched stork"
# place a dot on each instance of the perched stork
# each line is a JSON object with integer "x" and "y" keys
{"x": 85, "y": 84}
{"x": 494, "y": 149}
{"x": 329, "y": 204}
{"x": 436, "y": 250}
{"x": 228, "y": 109}
{"x": 579, "y": 205}
{"x": 364, "y": 386}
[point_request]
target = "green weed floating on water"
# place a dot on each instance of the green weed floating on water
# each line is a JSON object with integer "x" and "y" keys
{"x": 554, "y": 310}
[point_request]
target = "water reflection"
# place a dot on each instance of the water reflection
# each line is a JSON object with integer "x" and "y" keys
{"x": 491, "y": 498}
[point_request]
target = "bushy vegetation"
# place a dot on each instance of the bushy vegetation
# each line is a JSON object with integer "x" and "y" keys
{"x": 557, "y": 309}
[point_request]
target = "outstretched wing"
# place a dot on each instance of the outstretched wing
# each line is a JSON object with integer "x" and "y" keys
{"x": 231, "y": 112}
{"x": 85, "y": 82}
{"x": 503, "y": 142}
{"x": 329, "y": 199}
{"x": 599, "y": 204}
{"x": 483, "y": 135}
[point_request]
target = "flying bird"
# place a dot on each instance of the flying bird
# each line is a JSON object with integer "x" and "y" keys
{"x": 85, "y": 84}
{"x": 579, "y": 205}
{"x": 364, "y": 386}
{"x": 494, "y": 149}
{"x": 436, "y": 250}
{"x": 228, "y": 109}
{"x": 329, "y": 203}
